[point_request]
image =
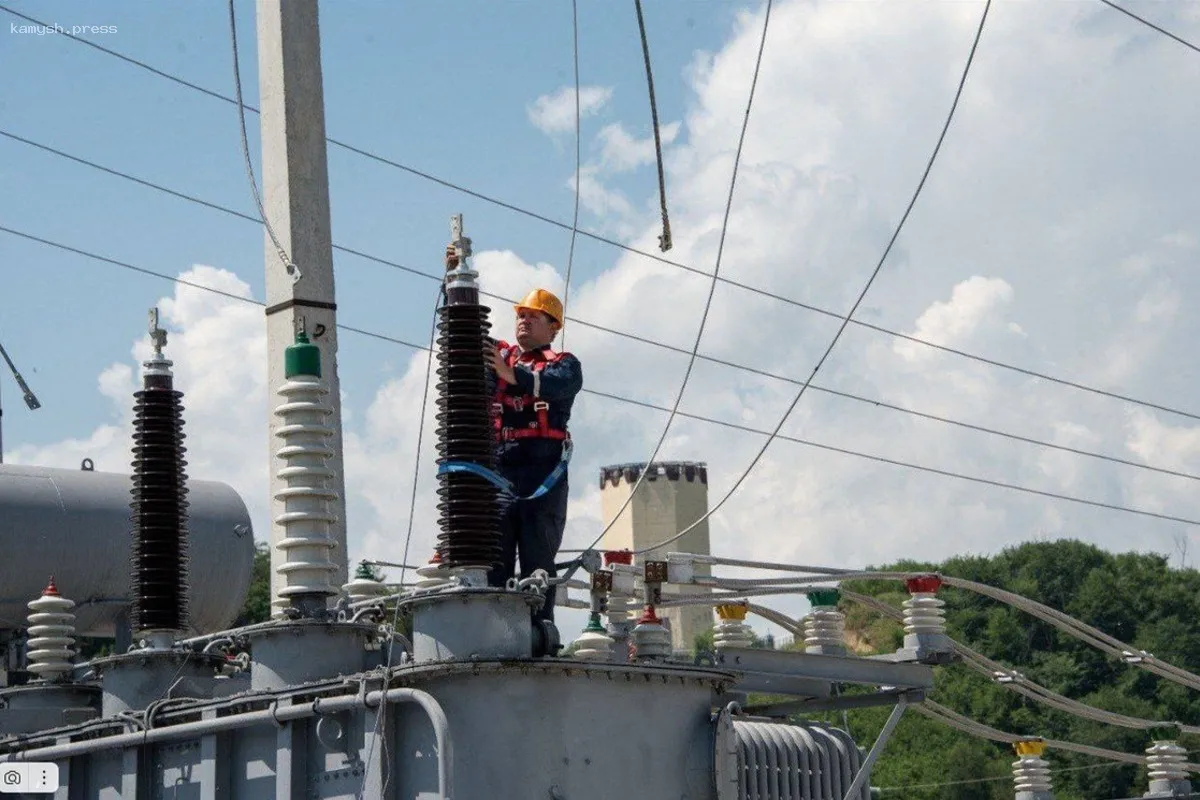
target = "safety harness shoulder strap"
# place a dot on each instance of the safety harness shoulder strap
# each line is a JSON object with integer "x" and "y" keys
{"x": 520, "y": 402}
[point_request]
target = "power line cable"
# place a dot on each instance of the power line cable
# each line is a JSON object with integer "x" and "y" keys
{"x": 288, "y": 264}
{"x": 1150, "y": 24}
{"x": 643, "y": 404}
{"x": 765, "y": 373}
{"x": 861, "y": 296}
{"x": 646, "y": 254}
{"x": 664, "y": 239}
{"x": 737, "y": 157}
{"x": 578, "y": 167}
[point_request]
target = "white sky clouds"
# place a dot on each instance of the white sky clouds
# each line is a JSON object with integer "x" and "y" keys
{"x": 555, "y": 113}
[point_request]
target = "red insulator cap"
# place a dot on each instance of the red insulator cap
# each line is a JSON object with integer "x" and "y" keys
{"x": 927, "y": 584}
{"x": 51, "y": 589}
{"x": 618, "y": 557}
{"x": 648, "y": 617}
{"x": 437, "y": 557}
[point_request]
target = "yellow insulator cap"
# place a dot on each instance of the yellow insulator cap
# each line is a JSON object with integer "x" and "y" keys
{"x": 1030, "y": 747}
{"x": 732, "y": 611}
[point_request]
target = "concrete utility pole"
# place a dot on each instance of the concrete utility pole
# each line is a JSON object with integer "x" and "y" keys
{"x": 296, "y": 197}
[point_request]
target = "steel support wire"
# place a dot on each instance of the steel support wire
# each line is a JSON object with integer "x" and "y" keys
{"x": 880, "y": 742}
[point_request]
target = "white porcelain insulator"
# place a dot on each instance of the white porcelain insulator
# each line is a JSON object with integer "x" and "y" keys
{"x": 1166, "y": 761}
{"x": 924, "y": 613}
{"x": 1031, "y": 774}
{"x": 651, "y": 640}
{"x": 308, "y": 566}
{"x": 433, "y": 576}
{"x": 594, "y": 646}
{"x": 732, "y": 633}
{"x": 364, "y": 589}
{"x": 825, "y": 626}
{"x": 51, "y": 636}
{"x": 618, "y": 609}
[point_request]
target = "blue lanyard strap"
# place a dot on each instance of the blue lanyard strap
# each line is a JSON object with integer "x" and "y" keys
{"x": 502, "y": 483}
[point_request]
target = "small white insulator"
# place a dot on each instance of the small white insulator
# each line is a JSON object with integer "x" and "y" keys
{"x": 651, "y": 639}
{"x": 924, "y": 614}
{"x": 364, "y": 587}
{"x": 825, "y": 628}
{"x": 1031, "y": 774}
{"x": 618, "y": 609}
{"x": 51, "y": 635}
{"x": 308, "y": 567}
{"x": 594, "y": 644}
{"x": 732, "y": 633}
{"x": 1166, "y": 761}
{"x": 434, "y": 574}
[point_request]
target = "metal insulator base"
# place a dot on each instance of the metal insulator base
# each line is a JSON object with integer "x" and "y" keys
{"x": 594, "y": 646}
{"x": 308, "y": 567}
{"x": 38, "y": 706}
{"x": 825, "y": 631}
{"x": 51, "y": 636}
{"x": 472, "y": 623}
{"x": 159, "y": 581}
{"x": 468, "y": 512}
{"x": 731, "y": 633}
{"x": 291, "y": 653}
{"x": 131, "y": 681}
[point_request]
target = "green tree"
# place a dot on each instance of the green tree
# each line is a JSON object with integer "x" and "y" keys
{"x": 257, "y": 607}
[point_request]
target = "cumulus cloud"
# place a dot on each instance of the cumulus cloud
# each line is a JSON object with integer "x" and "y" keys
{"x": 555, "y": 113}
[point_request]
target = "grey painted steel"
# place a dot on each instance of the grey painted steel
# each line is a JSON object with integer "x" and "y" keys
{"x": 774, "y": 761}
{"x": 75, "y": 525}
{"x": 810, "y": 706}
{"x": 132, "y": 681}
{"x": 1038, "y": 796}
{"x": 927, "y": 648}
{"x": 466, "y": 623}
{"x": 860, "y": 780}
{"x": 37, "y": 706}
{"x": 288, "y": 653}
{"x": 765, "y": 665}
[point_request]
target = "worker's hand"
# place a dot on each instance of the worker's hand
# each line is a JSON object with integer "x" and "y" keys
{"x": 497, "y": 362}
{"x": 451, "y": 257}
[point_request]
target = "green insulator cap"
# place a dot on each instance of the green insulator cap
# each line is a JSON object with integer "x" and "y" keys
{"x": 594, "y": 625}
{"x": 302, "y": 358}
{"x": 364, "y": 571}
{"x": 824, "y": 597}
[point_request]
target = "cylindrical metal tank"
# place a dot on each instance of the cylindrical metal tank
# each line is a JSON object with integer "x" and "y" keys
{"x": 75, "y": 525}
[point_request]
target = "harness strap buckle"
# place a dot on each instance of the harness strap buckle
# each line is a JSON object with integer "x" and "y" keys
{"x": 541, "y": 405}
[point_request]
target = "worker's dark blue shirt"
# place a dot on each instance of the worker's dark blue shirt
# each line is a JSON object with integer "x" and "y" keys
{"x": 527, "y": 462}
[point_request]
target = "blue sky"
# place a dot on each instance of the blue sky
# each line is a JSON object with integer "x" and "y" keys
{"x": 442, "y": 87}
{"x": 1057, "y": 233}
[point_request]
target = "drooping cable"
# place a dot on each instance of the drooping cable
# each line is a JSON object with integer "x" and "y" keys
{"x": 288, "y": 264}
{"x": 631, "y": 401}
{"x": 861, "y": 296}
{"x": 871, "y": 401}
{"x": 1150, "y": 24}
{"x": 578, "y": 169}
{"x": 664, "y": 239}
{"x": 737, "y": 157}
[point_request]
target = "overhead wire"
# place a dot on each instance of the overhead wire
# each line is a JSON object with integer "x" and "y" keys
{"x": 634, "y": 250}
{"x": 288, "y": 264}
{"x": 1150, "y": 24}
{"x": 737, "y": 157}
{"x": 664, "y": 239}
{"x": 641, "y": 403}
{"x": 578, "y": 168}
{"x": 858, "y": 301}
{"x": 816, "y": 387}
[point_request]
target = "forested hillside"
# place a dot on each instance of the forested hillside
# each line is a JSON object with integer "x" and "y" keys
{"x": 1136, "y": 597}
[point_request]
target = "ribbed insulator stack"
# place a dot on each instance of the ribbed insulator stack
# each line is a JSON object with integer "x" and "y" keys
{"x": 923, "y": 612}
{"x": 51, "y": 635}
{"x": 434, "y": 574}
{"x": 308, "y": 567}
{"x": 468, "y": 512}
{"x": 825, "y": 626}
{"x": 1166, "y": 761}
{"x": 594, "y": 644}
{"x": 732, "y": 630}
{"x": 1031, "y": 773}
{"x": 650, "y": 638}
{"x": 159, "y": 558}
{"x": 364, "y": 586}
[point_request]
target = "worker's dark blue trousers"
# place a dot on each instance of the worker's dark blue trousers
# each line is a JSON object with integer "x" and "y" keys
{"x": 534, "y": 529}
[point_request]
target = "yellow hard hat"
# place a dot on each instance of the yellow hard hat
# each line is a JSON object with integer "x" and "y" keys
{"x": 544, "y": 301}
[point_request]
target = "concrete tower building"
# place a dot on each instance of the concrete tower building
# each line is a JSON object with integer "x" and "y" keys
{"x": 673, "y": 495}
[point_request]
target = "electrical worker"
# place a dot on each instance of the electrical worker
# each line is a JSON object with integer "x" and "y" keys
{"x": 535, "y": 388}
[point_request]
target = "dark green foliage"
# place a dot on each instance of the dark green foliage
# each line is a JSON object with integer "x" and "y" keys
{"x": 1135, "y": 597}
{"x": 257, "y": 607}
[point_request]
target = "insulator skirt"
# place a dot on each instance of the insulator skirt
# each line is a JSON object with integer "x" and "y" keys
{"x": 468, "y": 511}
{"x": 159, "y": 559}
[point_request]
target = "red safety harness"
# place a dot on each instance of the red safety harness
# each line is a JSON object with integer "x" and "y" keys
{"x": 540, "y": 427}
